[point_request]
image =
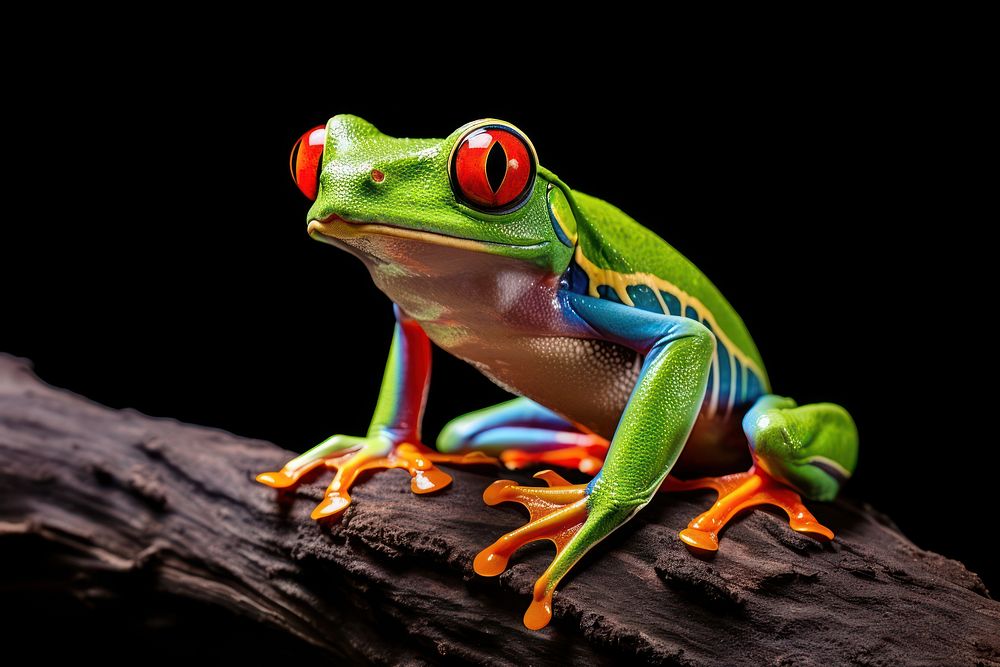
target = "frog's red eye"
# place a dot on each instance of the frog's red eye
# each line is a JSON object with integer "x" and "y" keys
{"x": 493, "y": 168}
{"x": 307, "y": 156}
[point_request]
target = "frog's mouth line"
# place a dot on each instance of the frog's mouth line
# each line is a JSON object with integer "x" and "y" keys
{"x": 338, "y": 228}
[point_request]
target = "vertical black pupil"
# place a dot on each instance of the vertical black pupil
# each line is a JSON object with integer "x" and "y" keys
{"x": 496, "y": 166}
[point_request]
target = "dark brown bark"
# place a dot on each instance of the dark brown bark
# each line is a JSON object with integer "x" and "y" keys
{"x": 155, "y": 514}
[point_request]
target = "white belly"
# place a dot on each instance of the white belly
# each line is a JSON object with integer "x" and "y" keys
{"x": 503, "y": 316}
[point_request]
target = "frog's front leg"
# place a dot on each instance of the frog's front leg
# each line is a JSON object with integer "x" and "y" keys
{"x": 393, "y": 439}
{"x": 655, "y": 425}
{"x": 810, "y": 450}
{"x": 522, "y": 432}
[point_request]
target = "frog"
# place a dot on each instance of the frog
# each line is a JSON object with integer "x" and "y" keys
{"x": 625, "y": 361}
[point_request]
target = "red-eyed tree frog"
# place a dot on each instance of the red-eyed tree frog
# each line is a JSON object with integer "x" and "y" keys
{"x": 627, "y": 362}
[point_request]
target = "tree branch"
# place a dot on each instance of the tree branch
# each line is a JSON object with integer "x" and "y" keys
{"x": 153, "y": 513}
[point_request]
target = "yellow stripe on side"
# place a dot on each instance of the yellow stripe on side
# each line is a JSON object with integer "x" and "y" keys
{"x": 620, "y": 282}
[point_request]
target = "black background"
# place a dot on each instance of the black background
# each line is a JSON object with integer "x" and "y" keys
{"x": 155, "y": 253}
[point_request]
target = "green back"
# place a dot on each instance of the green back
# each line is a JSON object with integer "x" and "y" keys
{"x": 632, "y": 255}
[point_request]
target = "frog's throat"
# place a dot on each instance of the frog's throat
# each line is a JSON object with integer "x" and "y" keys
{"x": 337, "y": 228}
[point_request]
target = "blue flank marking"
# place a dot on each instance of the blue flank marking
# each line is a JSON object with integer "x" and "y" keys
{"x": 576, "y": 279}
{"x": 740, "y": 398}
{"x": 753, "y": 388}
{"x": 725, "y": 377}
{"x": 605, "y": 292}
{"x": 644, "y": 297}
{"x": 673, "y": 303}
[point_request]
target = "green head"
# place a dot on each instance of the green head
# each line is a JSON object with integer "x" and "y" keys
{"x": 479, "y": 190}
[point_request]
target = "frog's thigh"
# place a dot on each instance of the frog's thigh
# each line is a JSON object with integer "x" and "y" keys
{"x": 813, "y": 448}
{"x": 518, "y": 424}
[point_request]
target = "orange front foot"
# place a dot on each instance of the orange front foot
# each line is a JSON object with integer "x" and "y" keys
{"x": 557, "y": 513}
{"x": 587, "y": 457}
{"x": 372, "y": 454}
{"x": 738, "y": 492}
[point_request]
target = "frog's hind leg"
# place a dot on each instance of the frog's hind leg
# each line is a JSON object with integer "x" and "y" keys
{"x": 522, "y": 433}
{"x": 809, "y": 450}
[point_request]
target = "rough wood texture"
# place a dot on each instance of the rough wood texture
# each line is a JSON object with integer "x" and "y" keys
{"x": 114, "y": 504}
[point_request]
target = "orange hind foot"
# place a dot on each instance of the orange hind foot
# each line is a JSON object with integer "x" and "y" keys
{"x": 738, "y": 492}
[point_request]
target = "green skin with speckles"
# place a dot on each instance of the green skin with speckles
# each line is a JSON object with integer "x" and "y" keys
{"x": 600, "y": 327}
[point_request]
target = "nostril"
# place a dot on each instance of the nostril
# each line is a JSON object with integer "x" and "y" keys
{"x": 377, "y": 176}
